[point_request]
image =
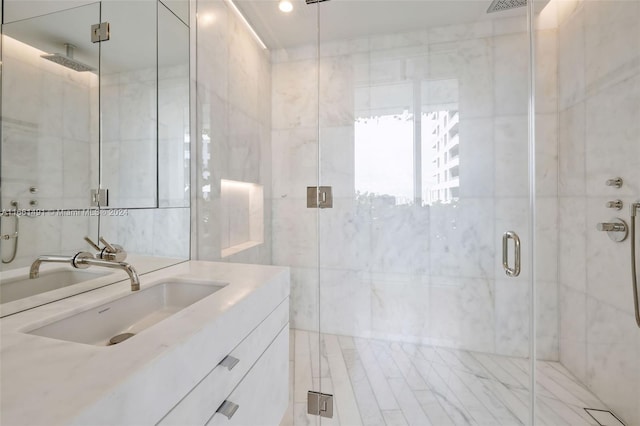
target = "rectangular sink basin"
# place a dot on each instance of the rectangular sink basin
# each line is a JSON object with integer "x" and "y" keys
{"x": 122, "y": 318}
{"x": 19, "y": 288}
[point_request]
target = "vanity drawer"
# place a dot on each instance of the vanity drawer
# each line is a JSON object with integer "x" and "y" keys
{"x": 203, "y": 400}
{"x": 262, "y": 396}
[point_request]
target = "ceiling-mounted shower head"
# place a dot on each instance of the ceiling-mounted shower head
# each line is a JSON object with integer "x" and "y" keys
{"x": 67, "y": 60}
{"x": 500, "y": 5}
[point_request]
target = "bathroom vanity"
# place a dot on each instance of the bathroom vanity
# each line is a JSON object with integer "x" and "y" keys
{"x": 210, "y": 346}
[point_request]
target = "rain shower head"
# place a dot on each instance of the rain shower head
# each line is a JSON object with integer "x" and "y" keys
{"x": 67, "y": 60}
{"x": 500, "y": 5}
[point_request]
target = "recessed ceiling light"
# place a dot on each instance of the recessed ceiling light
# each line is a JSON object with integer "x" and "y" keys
{"x": 285, "y": 6}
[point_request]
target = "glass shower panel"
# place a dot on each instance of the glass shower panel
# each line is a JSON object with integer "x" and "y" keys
{"x": 129, "y": 104}
{"x": 424, "y": 142}
{"x": 295, "y": 168}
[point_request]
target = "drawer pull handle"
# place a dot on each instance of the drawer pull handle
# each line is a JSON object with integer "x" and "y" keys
{"x": 229, "y": 362}
{"x": 228, "y": 408}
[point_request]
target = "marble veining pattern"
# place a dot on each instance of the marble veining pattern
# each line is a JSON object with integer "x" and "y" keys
{"x": 377, "y": 382}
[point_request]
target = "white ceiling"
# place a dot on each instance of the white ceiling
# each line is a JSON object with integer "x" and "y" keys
{"x": 348, "y": 19}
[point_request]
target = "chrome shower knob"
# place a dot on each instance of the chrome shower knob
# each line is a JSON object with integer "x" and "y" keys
{"x": 616, "y": 229}
{"x": 617, "y": 204}
{"x": 615, "y": 182}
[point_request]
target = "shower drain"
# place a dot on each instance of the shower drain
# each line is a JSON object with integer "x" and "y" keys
{"x": 604, "y": 417}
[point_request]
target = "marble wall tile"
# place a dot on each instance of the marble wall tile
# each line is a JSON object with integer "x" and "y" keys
{"x": 511, "y": 95}
{"x": 213, "y": 56}
{"x": 304, "y": 298}
{"x": 244, "y": 58}
{"x": 476, "y": 78}
{"x": 295, "y": 238}
{"x": 294, "y": 153}
{"x": 571, "y": 151}
{"x": 295, "y": 102}
{"x": 612, "y": 129}
{"x": 336, "y": 91}
{"x": 293, "y": 54}
{"x": 512, "y": 317}
{"x": 233, "y": 133}
{"x": 461, "y": 239}
{"x": 393, "y": 41}
{"x": 135, "y": 231}
{"x": 398, "y": 238}
{"x": 476, "y": 157}
{"x": 546, "y": 239}
{"x": 474, "y": 30}
{"x": 573, "y": 331}
{"x": 344, "y": 47}
{"x": 572, "y": 243}
{"x": 462, "y": 313}
{"x": 546, "y": 71}
{"x": 344, "y": 235}
{"x": 612, "y": 42}
{"x": 244, "y": 147}
{"x": 170, "y": 232}
{"x": 546, "y": 154}
{"x": 337, "y": 317}
{"x": 509, "y": 25}
{"x": 511, "y": 158}
{"x": 399, "y": 307}
{"x": 571, "y": 63}
{"x": 76, "y": 163}
{"x": 547, "y": 341}
{"x": 613, "y": 350}
{"x": 337, "y": 160}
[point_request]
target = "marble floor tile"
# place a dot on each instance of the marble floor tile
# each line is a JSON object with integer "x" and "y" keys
{"x": 377, "y": 382}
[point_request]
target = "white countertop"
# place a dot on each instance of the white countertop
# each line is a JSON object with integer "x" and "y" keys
{"x": 48, "y": 381}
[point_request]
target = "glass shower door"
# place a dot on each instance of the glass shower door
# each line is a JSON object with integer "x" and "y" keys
{"x": 424, "y": 141}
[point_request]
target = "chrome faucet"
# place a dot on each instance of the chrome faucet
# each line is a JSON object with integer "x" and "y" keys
{"x": 133, "y": 275}
{"x": 82, "y": 260}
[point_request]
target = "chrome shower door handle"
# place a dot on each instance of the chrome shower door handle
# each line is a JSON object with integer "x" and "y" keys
{"x": 515, "y": 271}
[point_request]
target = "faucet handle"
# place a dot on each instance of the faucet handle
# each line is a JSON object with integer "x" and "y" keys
{"x": 109, "y": 247}
{"x": 92, "y": 244}
{"x": 112, "y": 252}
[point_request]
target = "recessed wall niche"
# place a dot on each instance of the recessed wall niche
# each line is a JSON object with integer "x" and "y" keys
{"x": 242, "y": 216}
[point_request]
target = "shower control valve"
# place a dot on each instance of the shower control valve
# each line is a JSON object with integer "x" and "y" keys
{"x": 615, "y": 182}
{"x": 617, "y": 204}
{"x": 616, "y": 229}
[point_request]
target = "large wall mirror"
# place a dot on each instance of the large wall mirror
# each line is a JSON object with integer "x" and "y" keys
{"x": 80, "y": 115}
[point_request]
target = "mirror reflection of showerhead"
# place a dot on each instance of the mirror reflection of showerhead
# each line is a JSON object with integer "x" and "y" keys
{"x": 67, "y": 60}
{"x": 499, "y": 5}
